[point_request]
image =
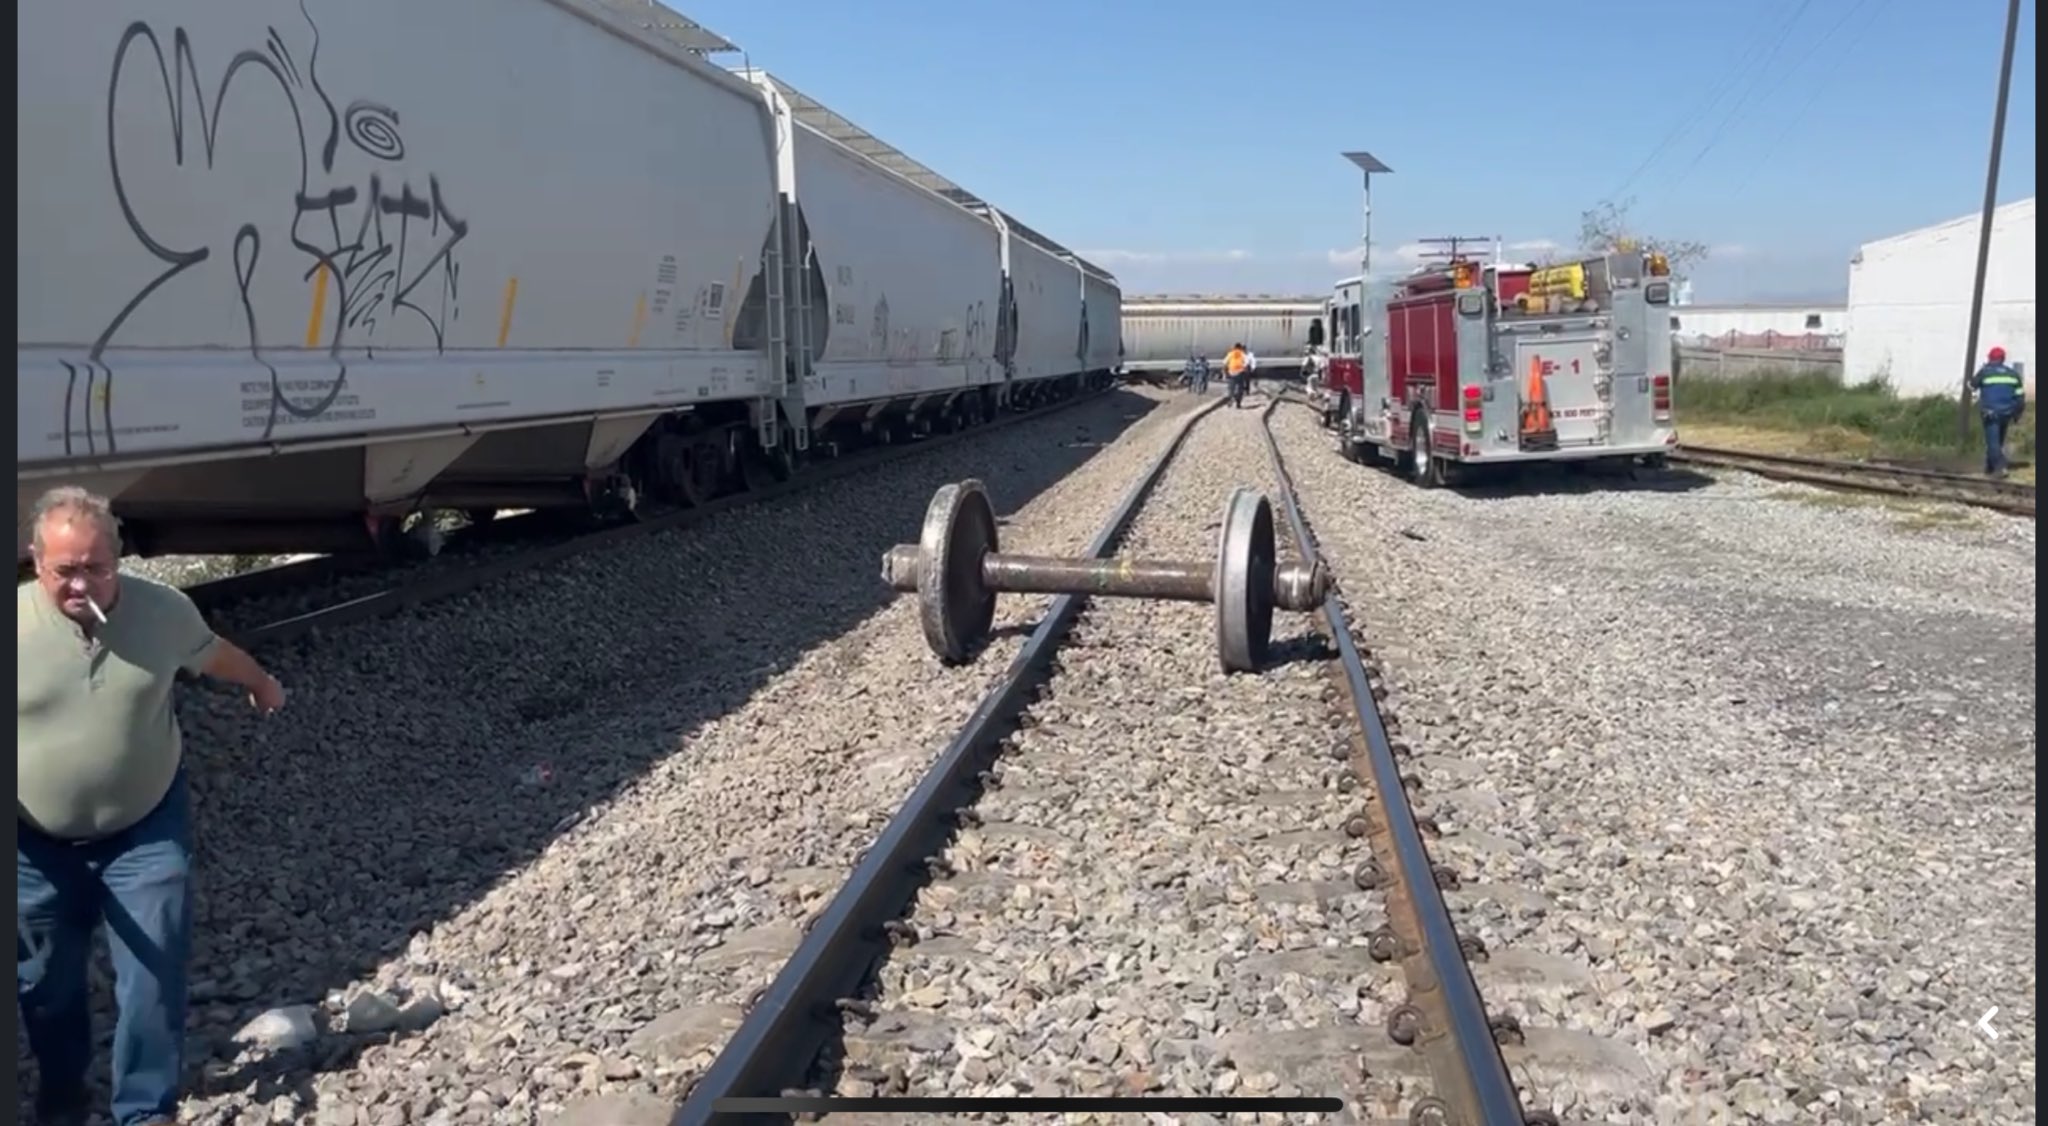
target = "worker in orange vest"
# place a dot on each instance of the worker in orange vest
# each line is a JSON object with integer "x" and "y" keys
{"x": 1235, "y": 366}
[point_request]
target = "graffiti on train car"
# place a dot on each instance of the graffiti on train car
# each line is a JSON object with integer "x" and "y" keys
{"x": 977, "y": 331}
{"x": 878, "y": 329}
{"x": 382, "y": 243}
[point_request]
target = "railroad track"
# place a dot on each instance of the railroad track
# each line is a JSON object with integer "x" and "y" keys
{"x": 522, "y": 543}
{"x": 801, "y": 1034}
{"x": 1870, "y": 477}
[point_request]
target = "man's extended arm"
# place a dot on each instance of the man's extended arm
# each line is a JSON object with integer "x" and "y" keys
{"x": 231, "y": 663}
{"x": 213, "y": 655}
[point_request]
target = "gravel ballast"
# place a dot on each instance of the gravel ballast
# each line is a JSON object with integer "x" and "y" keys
{"x": 1157, "y": 899}
{"x": 1759, "y": 759}
{"x": 512, "y": 851}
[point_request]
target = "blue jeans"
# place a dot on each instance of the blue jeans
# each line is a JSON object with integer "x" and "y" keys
{"x": 138, "y": 882}
{"x": 1995, "y": 424}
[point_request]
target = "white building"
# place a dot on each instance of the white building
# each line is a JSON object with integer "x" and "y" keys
{"x": 1909, "y": 302}
{"x": 1759, "y": 326}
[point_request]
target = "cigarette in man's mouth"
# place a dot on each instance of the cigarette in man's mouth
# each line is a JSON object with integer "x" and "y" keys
{"x": 96, "y": 611}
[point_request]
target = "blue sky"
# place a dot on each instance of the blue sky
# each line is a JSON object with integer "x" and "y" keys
{"x": 1191, "y": 145}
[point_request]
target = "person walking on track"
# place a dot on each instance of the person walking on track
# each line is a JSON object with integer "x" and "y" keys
{"x": 2002, "y": 401}
{"x": 1235, "y": 369}
{"x": 102, "y": 829}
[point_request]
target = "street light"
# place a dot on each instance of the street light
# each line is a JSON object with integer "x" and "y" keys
{"x": 1367, "y": 164}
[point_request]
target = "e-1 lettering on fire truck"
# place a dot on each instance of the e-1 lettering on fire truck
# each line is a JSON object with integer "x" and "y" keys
{"x": 1465, "y": 363}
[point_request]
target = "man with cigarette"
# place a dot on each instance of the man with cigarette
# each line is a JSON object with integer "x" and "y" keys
{"x": 102, "y": 828}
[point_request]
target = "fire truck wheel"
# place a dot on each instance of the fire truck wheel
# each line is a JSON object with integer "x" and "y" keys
{"x": 1425, "y": 468}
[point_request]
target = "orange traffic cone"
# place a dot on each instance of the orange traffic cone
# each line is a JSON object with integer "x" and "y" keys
{"x": 1537, "y": 432}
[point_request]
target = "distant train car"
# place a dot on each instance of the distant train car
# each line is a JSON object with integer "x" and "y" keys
{"x": 286, "y": 281}
{"x": 1161, "y": 332}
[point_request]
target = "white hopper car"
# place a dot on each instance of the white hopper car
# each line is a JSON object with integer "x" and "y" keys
{"x": 289, "y": 274}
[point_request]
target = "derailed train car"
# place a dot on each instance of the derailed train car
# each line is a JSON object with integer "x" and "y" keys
{"x": 290, "y": 275}
{"x": 1102, "y": 319}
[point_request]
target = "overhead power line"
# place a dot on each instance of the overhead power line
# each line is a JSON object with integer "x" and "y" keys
{"x": 1768, "y": 44}
{"x": 1735, "y": 113}
{"x": 1797, "y": 117}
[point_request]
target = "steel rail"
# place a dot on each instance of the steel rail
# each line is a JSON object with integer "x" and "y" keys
{"x": 1477, "y": 1090}
{"x": 777, "y": 1043}
{"x": 1914, "y": 471}
{"x": 442, "y": 583}
{"x": 1871, "y": 477}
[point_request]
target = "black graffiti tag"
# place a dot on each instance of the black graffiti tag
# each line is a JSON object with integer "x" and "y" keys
{"x": 368, "y": 253}
{"x": 369, "y": 262}
{"x": 977, "y": 329}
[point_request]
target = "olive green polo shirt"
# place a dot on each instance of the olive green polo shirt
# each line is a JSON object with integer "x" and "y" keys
{"x": 98, "y": 741}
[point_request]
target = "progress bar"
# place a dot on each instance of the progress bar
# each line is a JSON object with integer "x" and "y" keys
{"x": 1021, "y": 1104}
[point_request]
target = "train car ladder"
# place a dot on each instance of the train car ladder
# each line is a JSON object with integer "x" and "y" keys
{"x": 798, "y": 271}
{"x": 785, "y": 405}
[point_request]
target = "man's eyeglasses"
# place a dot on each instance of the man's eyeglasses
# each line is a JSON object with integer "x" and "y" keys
{"x": 71, "y": 571}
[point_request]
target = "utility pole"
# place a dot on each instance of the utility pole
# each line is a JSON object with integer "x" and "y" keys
{"x": 2012, "y": 31}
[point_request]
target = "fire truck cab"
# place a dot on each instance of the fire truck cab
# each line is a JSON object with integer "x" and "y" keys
{"x": 1332, "y": 367}
{"x": 1465, "y": 363}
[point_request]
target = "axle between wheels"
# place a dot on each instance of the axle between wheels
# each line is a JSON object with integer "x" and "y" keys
{"x": 956, "y": 569}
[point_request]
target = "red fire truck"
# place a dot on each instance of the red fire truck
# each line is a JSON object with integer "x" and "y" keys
{"x": 1465, "y": 363}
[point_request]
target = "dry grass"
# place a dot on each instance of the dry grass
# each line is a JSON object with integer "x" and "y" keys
{"x": 1825, "y": 441}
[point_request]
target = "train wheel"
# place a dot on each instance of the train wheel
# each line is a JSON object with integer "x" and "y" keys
{"x": 688, "y": 468}
{"x": 707, "y": 467}
{"x": 756, "y": 473}
{"x": 672, "y": 468}
{"x": 783, "y": 461}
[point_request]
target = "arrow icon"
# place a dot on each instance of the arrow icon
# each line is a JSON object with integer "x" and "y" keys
{"x": 1984, "y": 1022}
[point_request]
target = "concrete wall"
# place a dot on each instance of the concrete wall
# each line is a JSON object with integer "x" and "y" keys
{"x": 1723, "y": 363}
{"x": 1759, "y": 326}
{"x": 1909, "y": 301}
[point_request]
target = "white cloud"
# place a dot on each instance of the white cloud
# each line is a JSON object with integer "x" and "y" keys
{"x": 1730, "y": 250}
{"x": 1163, "y": 257}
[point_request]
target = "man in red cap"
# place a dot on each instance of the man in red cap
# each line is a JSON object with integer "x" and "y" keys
{"x": 2001, "y": 400}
